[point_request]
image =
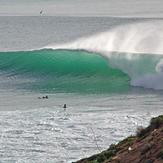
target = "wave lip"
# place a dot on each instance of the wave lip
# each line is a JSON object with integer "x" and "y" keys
{"x": 143, "y": 37}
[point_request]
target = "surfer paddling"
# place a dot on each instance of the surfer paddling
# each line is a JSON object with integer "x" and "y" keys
{"x": 43, "y": 97}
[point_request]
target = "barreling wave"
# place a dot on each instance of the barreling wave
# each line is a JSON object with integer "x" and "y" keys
{"x": 135, "y": 49}
{"x": 128, "y": 55}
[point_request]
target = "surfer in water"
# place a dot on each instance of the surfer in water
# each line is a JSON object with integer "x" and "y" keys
{"x": 64, "y": 106}
{"x": 44, "y": 97}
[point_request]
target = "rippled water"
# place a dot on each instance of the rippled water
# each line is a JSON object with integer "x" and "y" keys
{"x": 45, "y": 132}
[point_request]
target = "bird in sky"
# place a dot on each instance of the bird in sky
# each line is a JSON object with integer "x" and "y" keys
{"x": 41, "y": 12}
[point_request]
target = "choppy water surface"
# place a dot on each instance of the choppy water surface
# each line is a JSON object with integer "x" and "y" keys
{"x": 44, "y": 132}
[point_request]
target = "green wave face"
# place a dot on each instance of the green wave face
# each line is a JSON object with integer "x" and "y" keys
{"x": 62, "y": 71}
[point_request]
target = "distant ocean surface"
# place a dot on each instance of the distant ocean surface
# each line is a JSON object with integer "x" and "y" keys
{"x": 109, "y": 72}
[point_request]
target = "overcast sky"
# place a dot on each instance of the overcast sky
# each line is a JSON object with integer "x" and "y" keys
{"x": 138, "y": 8}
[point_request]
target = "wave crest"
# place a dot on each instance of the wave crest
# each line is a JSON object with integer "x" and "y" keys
{"x": 142, "y": 37}
{"x": 136, "y": 49}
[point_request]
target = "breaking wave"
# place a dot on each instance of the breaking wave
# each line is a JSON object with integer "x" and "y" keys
{"x": 112, "y": 61}
{"x": 135, "y": 49}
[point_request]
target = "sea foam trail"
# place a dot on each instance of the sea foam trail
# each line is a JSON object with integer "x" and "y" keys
{"x": 126, "y": 46}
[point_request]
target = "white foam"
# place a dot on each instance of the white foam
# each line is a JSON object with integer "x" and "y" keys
{"x": 143, "y": 37}
{"x": 132, "y": 42}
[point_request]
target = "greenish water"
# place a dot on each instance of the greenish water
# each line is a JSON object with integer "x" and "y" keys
{"x": 63, "y": 71}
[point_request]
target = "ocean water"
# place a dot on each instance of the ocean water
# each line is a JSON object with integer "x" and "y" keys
{"x": 107, "y": 70}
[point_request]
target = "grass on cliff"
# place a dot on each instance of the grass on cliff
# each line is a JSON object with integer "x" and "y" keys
{"x": 154, "y": 124}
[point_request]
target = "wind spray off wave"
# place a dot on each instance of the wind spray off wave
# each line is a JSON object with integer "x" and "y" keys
{"x": 136, "y": 49}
